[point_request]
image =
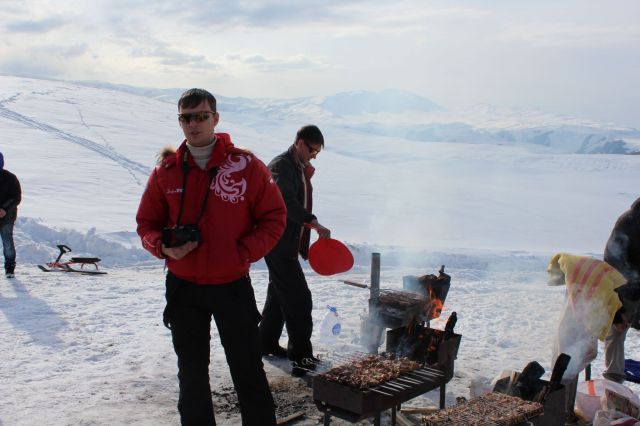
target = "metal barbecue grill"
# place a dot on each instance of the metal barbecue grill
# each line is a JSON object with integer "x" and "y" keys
{"x": 406, "y": 313}
{"x": 352, "y": 404}
{"x": 493, "y": 409}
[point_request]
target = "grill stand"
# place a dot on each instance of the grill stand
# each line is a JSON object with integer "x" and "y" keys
{"x": 334, "y": 399}
{"x": 350, "y": 417}
{"x": 376, "y": 419}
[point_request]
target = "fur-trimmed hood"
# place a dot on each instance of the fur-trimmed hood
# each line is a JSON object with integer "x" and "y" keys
{"x": 164, "y": 153}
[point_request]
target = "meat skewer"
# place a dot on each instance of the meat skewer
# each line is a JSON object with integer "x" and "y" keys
{"x": 371, "y": 370}
{"x": 382, "y": 393}
{"x": 493, "y": 408}
{"x": 408, "y": 380}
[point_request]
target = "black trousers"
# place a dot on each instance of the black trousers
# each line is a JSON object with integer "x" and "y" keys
{"x": 288, "y": 303}
{"x": 233, "y": 306}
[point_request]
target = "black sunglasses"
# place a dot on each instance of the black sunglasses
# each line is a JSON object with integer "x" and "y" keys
{"x": 312, "y": 151}
{"x": 197, "y": 116}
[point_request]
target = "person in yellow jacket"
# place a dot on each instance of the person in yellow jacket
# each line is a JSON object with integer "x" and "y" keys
{"x": 592, "y": 303}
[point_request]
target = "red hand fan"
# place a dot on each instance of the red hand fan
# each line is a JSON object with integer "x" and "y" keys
{"x": 328, "y": 256}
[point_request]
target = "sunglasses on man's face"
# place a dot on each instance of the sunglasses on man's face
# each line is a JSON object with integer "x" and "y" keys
{"x": 312, "y": 150}
{"x": 199, "y": 117}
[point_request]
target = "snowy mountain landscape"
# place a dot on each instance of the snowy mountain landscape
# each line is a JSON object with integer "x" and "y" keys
{"x": 491, "y": 193}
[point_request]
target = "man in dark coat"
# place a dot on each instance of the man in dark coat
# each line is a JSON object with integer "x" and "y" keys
{"x": 10, "y": 196}
{"x": 623, "y": 253}
{"x": 288, "y": 302}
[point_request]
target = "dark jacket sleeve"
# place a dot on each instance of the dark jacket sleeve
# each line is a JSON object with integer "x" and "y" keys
{"x": 623, "y": 253}
{"x": 13, "y": 198}
{"x": 623, "y": 247}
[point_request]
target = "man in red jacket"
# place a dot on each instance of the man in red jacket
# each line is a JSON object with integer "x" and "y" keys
{"x": 210, "y": 210}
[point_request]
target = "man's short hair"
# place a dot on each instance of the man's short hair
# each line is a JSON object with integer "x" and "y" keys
{"x": 310, "y": 134}
{"x": 194, "y": 97}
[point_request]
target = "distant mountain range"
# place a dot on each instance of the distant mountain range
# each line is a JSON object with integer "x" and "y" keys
{"x": 395, "y": 113}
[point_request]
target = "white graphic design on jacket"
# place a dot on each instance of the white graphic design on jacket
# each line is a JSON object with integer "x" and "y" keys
{"x": 225, "y": 186}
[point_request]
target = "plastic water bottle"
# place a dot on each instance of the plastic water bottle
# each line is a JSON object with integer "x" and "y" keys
{"x": 330, "y": 327}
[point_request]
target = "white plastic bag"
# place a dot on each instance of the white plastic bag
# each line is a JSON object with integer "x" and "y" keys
{"x": 591, "y": 396}
{"x": 613, "y": 418}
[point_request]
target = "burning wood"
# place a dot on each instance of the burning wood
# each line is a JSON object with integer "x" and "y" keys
{"x": 370, "y": 371}
{"x": 434, "y": 306}
{"x": 490, "y": 409}
{"x": 424, "y": 344}
{"x": 433, "y": 288}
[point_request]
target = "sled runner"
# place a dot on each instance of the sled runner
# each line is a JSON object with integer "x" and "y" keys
{"x": 69, "y": 265}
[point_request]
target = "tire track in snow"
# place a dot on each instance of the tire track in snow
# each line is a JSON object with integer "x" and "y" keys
{"x": 84, "y": 123}
{"x": 131, "y": 166}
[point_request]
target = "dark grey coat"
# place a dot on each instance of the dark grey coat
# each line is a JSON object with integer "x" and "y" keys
{"x": 623, "y": 253}
{"x": 10, "y": 196}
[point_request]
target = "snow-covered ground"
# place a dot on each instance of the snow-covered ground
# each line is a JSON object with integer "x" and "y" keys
{"x": 90, "y": 350}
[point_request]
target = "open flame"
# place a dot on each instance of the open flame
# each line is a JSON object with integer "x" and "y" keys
{"x": 434, "y": 305}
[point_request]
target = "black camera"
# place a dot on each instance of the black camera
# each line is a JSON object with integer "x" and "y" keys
{"x": 179, "y": 235}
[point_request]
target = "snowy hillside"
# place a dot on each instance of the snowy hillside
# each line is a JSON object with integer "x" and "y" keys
{"x": 83, "y": 155}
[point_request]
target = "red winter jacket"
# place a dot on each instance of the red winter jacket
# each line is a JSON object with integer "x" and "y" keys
{"x": 244, "y": 218}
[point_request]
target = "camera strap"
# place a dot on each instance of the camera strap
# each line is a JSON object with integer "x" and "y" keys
{"x": 185, "y": 169}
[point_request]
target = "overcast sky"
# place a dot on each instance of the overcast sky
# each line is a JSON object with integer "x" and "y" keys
{"x": 577, "y": 57}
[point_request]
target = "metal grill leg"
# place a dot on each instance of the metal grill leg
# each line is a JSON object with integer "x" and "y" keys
{"x": 376, "y": 420}
{"x": 327, "y": 417}
{"x": 393, "y": 416}
{"x": 443, "y": 392}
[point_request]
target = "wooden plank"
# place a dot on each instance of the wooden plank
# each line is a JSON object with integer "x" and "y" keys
{"x": 355, "y": 284}
{"x": 420, "y": 410}
{"x": 404, "y": 421}
{"x": 289, "y": 418}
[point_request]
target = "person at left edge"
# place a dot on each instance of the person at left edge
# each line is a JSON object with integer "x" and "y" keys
{"x": 229, "y": 196}
{"x": 10, "y": 197}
